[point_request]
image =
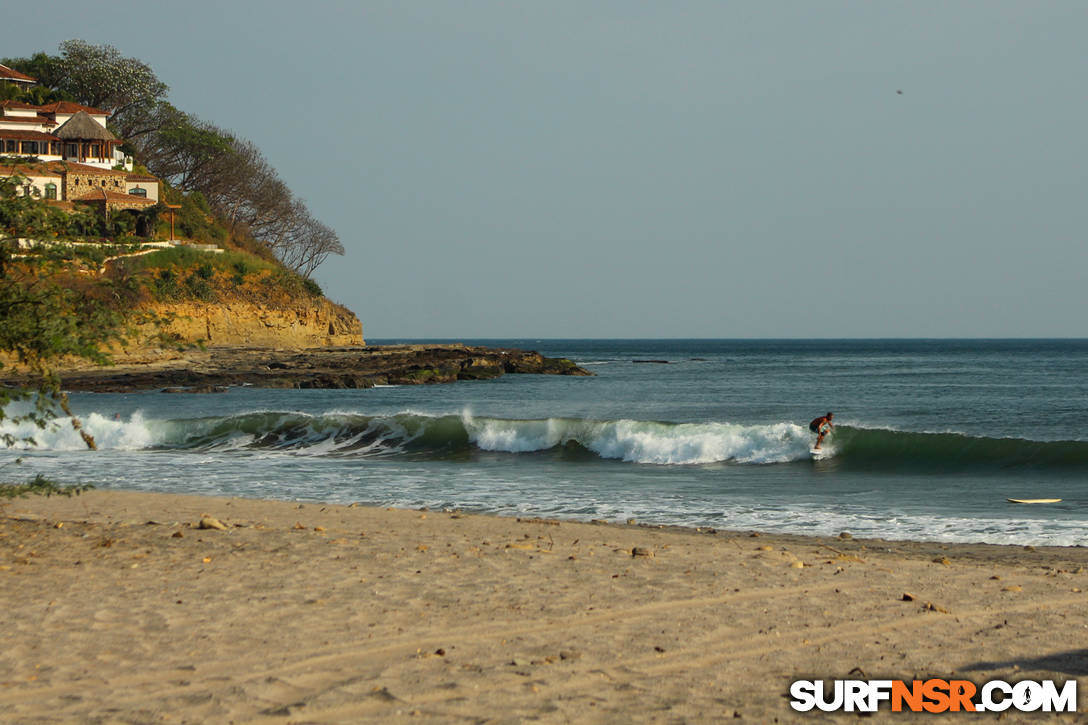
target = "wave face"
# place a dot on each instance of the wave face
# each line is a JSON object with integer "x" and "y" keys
{"x": 423, "y": 436}
{"x": 428, "y": 437}
{"x": 877, "y": 449}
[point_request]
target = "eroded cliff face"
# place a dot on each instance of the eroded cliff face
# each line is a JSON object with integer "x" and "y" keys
{"x": 309, "y": 324}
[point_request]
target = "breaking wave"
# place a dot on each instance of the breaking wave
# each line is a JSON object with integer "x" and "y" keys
{"x": 422, "y": 436}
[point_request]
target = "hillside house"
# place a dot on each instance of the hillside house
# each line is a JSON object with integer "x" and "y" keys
{"x": 64, "y": 154}
{"x": 64, "y": 183}
{"x": 61, "y": 131}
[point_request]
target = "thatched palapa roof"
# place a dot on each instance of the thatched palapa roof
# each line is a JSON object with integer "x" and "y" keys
{"x": 84, "y": 128}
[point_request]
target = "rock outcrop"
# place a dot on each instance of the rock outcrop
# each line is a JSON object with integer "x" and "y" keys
{"x": 214, "y": 368}
{"x": 309, "y": 324}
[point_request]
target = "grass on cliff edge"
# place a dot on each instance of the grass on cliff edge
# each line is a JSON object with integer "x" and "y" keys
{"x": 173, "y": 275}
{"x": 182, "y": 274}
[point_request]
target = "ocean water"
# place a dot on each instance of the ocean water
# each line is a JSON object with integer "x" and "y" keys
{"x": 932, "y": 437}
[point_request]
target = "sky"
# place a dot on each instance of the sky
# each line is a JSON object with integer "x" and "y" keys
{"x": 628, "y": 169}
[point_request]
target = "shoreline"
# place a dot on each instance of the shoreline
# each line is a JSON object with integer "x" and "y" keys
{"x": 192, "y": 499}
{"x": 118, "y": 606}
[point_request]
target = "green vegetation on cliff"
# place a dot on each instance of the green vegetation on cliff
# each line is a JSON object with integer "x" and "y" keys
{"x": 44, "y": 318}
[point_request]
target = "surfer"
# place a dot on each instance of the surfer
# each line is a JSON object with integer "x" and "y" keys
{"x": 821, "y": 427}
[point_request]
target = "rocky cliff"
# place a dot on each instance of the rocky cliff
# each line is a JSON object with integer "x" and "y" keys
{"x": 309, "y": 324}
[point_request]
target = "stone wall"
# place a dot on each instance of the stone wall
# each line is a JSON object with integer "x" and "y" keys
{"x": 78, "y": 183}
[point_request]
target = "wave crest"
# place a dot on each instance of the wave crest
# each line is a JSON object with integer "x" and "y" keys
{"x": 639, "y": 441}
{"x": 421, "y": 436}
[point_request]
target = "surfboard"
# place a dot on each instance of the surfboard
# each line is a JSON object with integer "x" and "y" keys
{"x": 818, "y": 454}
{"x": 1033, "y": 500}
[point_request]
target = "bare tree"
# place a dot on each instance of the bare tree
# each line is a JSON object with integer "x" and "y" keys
{"x": 301, "y": 242}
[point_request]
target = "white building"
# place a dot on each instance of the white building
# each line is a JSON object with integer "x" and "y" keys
{"x": 61, "y": 131}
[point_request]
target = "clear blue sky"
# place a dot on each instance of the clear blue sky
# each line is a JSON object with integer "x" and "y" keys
{"x": 650, "y": 169}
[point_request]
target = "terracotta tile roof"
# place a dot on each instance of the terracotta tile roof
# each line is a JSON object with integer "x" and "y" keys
{"x": 8, "y": 133}
{"x": 28, "y": 170}
{"x": 114, "y": 196}
{"x": 36, "y": 120}
{"x": 59, "y": 168}
{"x": 17, "y": 104}
{"x": 66, "y": 107}
{"x": 14, "y": 75}
{"x": 69, "y": 107}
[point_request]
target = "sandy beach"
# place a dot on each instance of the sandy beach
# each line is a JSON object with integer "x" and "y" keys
{"x": 118, "y": 608}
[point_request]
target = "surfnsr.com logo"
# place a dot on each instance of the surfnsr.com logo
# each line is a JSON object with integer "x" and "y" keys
{"x": 934, "y": 696}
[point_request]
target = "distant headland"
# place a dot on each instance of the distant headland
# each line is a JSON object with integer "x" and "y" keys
{"x": 173, "y": 248}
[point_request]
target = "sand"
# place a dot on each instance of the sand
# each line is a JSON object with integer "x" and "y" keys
{"x": 116, "y": 608}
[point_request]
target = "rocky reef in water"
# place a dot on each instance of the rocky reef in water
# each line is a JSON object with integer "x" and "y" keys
{"x": 214, "y": 369}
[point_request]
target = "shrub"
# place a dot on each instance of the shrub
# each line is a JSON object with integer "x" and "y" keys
{"x": 166, "y": 284}
{"x": 312, "y": 287}
{"x": 40, "y": 486}
{"x": 198, "y": 288}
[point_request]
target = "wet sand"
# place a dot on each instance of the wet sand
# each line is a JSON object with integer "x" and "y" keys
{"x": 117, "y": 608}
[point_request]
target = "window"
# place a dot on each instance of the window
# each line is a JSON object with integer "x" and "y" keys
{"x": 137, "y": 191}
{"x": 50, "y": 191}
{"x": 70, "y": 150}
{"x": 9, "y": 146}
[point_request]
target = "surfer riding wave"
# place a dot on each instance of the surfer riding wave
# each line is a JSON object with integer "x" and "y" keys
{"x": 821, "y": 427}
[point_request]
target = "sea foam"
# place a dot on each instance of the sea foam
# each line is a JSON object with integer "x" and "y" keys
{"x": 645, "y": 441}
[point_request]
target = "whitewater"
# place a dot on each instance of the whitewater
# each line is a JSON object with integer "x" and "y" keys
{"x": 933, "y": 437}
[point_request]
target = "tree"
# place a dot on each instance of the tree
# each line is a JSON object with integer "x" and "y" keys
{"x": 182, "y": 149}
{"x": 42, "y": 67}
{"x": 42, "y": 321}
{"x": 100, "y": 76}
{"x": 303, "y": 242}
{"x": 241, "y": 188}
